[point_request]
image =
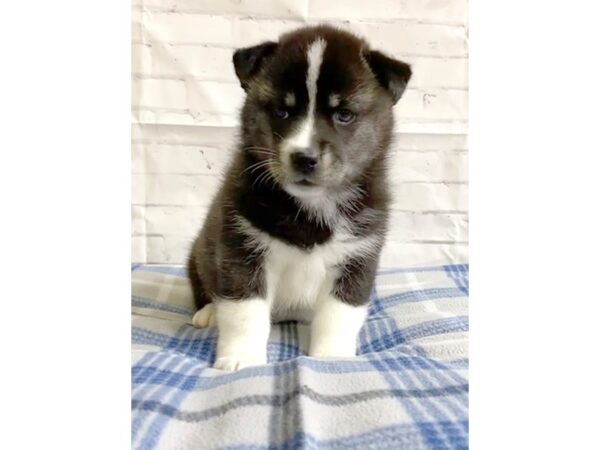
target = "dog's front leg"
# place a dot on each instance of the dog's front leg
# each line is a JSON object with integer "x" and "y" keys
{"x": 335, "y": 328}
{"x": 244, "y": 327}
{"x": 340, "y": 313}
{"x": 239, "y": 292}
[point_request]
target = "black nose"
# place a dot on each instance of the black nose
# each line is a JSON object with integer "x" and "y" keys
{"x": 303, "y": 163}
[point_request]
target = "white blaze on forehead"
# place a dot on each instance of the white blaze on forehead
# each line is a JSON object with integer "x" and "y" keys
{"x": 302, "y": 138}
{"x": 315, "y": 59}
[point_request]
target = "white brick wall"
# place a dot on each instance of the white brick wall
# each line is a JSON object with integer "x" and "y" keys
{"x": 186, "y": 101}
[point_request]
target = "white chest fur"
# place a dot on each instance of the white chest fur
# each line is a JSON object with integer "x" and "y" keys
{"x": 296, "y": 279}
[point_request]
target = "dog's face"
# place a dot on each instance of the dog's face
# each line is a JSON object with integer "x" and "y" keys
{"x": 318, "y": 108}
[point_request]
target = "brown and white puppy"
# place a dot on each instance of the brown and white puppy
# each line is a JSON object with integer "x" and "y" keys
{"x": 296, "y": 229}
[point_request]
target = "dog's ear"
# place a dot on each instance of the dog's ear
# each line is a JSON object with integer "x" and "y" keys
{"x": 247, "y": 61}
{"x": 391, "y": 73}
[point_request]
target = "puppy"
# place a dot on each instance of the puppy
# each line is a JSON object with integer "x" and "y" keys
{"x": 296, "y": 229}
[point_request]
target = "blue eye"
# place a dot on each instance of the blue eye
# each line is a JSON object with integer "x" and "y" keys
{"x": 281, "y": 113}
{"x": 343, "y": 116}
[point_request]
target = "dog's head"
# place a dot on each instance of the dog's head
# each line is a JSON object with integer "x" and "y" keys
{"x": 318, "y": 107}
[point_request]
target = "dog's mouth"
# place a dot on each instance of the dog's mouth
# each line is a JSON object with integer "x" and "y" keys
{"x": 304, "y": 187}
{"x": 305, "y": 182}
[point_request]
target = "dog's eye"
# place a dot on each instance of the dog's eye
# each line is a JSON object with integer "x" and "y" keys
{"x": 344, "y": 116}
{"x": 280, "y": 113}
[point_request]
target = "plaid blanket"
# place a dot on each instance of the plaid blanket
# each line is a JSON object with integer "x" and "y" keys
{"x": 406, "y": 389}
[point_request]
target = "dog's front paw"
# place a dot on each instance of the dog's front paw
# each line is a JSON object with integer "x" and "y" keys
{"x": 243, "y": 328}
{"x": 205, "y": 317}
{"x": 237, "y": 362}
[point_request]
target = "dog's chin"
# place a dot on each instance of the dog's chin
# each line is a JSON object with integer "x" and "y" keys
{"x": 304, "y": 189}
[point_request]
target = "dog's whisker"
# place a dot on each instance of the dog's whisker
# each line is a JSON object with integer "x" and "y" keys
{"x": 258, "y": 180}
{"x": 257, "y": 165}
{"x": 257, "y": 149}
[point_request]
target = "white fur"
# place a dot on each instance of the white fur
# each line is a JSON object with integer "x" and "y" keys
{"x": 335, "y": 328}
{"x": 323, "y": 206}
{"x": 243, "y": 333}
{"x": 297, "y": 278}
{"x": 305, "y": 192}
{"x": 315, "y": 59}
{"x": 303, "y": 136}
{"x": 301, "y": 139}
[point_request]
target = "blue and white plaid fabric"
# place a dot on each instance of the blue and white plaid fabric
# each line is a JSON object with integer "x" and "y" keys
{"x": 406, "y": 389}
